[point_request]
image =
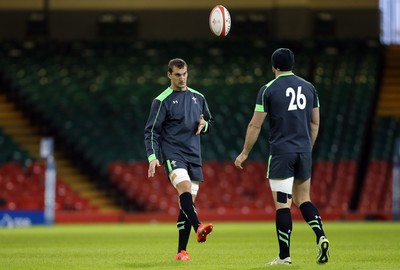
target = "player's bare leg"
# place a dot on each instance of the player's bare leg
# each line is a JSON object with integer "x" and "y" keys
{"x": 301, "y": 197}
{"x": 281, "y": 192}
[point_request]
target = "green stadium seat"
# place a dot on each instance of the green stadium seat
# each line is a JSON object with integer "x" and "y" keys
{"x": 98, "y": 100}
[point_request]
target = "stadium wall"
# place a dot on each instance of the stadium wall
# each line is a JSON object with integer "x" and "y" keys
{"x": 181, "y": 4}
{"x": 63, "y": 217}
{"x": 289, "y": 19}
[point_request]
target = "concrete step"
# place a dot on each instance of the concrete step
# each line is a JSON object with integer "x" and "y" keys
{"x": 14, "y": 124}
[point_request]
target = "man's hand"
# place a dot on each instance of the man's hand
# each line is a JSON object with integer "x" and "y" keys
{"x": 152, "y": 167}
{"x": 201, "y": 125}
{"x": 240, "y": 159}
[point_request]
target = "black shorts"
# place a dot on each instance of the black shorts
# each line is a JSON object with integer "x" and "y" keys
{"x": 297, "y": 165}
{"x": 195, "y": 171}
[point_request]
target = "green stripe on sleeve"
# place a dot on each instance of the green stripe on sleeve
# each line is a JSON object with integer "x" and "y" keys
{"x": 205, "y": 128}
{"x": 169, "y": 166}
{"x": 269, "y": 163}
{"x": 151, "y": 157}
{"x": 164, "y": 94}
{"x": 152, "y": 128}
{"x": 194, "y": 91}
{"x": 259, "y": 108}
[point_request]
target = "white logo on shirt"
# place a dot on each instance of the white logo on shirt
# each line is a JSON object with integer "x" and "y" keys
{"x": 173, "y": 163}
{"x": 194, "y": 100}
{"x": 175, "y": 102}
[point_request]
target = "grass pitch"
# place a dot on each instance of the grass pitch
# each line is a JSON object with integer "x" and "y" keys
{"x": 356, "y": 245}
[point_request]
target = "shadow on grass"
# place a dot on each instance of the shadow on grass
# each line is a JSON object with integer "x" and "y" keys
{"x": 140, "y": 265}
{"x": 264, "y": 267}
{"x": 150, "y": 265}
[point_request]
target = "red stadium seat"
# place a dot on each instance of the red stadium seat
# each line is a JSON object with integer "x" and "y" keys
{"x": 24, "y": 189}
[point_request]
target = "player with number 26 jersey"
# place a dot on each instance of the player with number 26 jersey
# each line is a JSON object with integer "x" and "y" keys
{"x": 292, "y": 106}
{"x": 293, "y": 100}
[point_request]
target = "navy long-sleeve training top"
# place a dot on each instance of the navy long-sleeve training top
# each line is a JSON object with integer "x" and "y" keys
{"x": 170, "y": 131}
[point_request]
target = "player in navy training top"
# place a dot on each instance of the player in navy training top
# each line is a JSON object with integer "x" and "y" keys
{"x": 293, "y": 109}
{"x": 178, "y": 116}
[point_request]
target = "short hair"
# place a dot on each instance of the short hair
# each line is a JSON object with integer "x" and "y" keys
{"x": 176, "y": 62}
{"x": 282, "y": 59}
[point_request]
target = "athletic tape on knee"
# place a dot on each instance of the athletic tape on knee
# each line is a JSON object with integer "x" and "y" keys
{"x": 195, "y": 188}
{"x": 282, "y": 185}
{"x": 178, "y": 176}
{"x": 282, "y": 197}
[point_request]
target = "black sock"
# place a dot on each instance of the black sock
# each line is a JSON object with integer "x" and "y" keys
{"x": 189, "y": 209}
{"x": 283, "y": 229}
{"x": 311, "y": 216}
{"x": 184, "y": 227}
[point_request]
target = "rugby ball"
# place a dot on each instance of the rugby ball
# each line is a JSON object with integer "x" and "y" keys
{"x": 220, "y": 21}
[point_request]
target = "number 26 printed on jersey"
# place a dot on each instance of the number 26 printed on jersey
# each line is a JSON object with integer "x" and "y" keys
{"x": 297, "y": 100}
